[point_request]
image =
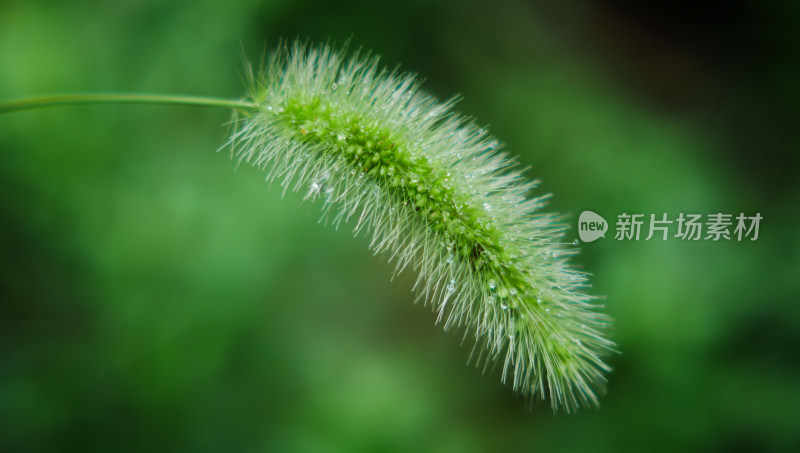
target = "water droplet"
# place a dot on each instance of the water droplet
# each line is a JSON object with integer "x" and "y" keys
{"x": 539, "y": 300}
{"x": 504, "y": 306}
{"x": 512, "y": 291}
{"x": 490, "y": 300}
{"x": 487, "y": 206}
{"x": 576, "y": 242}
{"x": 492, "y": 284}
{"x": 341, "y": 136}
{"x": 451, "y": 286}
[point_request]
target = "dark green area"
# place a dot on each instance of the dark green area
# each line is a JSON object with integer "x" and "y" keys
{"x": 154, "y": 297}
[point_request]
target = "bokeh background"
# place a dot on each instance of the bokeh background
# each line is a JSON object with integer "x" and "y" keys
{"x": 153, "y": 297}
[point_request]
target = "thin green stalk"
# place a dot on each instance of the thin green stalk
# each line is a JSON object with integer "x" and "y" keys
{"x": 116, "y": 98}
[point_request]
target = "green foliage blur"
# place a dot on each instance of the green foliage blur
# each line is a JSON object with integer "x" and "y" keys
{"x": 155, "y": 297}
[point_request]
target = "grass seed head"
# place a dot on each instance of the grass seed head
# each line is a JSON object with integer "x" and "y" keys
{"x": 437, "y": 194}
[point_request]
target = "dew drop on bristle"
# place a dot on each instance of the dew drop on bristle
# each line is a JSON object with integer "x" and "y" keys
{"x": 451, "y": 286}
{"x": 313, "y": 189}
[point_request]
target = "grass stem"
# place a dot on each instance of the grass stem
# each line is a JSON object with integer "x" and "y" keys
{"x": 116, "y": 98}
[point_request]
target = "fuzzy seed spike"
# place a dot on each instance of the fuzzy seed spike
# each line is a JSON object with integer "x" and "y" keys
{"x": 436, "y": 193}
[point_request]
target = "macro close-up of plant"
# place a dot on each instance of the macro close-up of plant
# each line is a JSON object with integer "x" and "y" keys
{"x": 434, "y": 194}
{"x": 157, "y": 294}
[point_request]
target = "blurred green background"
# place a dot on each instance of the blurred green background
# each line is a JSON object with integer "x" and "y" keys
{"x": 154, "y": 297}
